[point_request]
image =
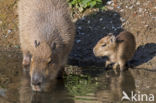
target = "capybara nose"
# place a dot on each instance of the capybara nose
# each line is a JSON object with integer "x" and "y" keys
{"x": 37, "y": 79}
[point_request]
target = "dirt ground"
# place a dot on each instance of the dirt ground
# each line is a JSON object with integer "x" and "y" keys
{"x": 136, "y": 16}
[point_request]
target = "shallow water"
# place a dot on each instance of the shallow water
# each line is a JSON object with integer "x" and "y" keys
{"x": 80, "y": 85}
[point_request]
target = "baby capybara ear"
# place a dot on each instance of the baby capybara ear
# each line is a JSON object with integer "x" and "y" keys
{"x": 36, "y": 43}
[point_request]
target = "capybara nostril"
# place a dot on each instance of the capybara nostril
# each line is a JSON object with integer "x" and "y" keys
{"x": 37, "y": 79}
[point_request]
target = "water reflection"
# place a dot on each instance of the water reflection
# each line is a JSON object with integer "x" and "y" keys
{"x": 56, "y": 94}
{"x": 88, "y": 85}
{"x": 116, "y": 85}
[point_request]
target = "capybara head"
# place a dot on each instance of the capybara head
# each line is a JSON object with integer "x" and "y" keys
{"x": 105, "y": 46}
{"x": 43, "y": 66}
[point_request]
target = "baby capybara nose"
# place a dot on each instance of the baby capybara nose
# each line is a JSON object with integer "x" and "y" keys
{"x": 37, "y": 79}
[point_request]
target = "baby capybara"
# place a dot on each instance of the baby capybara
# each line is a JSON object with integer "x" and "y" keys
{"x": 119, "y": 49}
{"x": 46, "y": 36}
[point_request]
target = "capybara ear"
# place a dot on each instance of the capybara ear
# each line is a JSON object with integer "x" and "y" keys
{"x": 113, "y": 39}
{"x": 53, "y": 46}
{"x": 36, "y": 43}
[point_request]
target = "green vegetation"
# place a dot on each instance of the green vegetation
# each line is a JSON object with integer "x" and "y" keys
{"x": 81, "y": 5}
{"x": 80, "y": 85}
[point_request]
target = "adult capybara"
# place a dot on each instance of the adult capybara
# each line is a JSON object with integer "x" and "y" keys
{"x": 46, "y": 36}
{"x": 119, "y": 49}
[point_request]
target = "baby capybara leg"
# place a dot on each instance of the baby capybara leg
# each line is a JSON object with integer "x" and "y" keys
{"x": 115, "y": 68}
{"x": 107, "y": 63}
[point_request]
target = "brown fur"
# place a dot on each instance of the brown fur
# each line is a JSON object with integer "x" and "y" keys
{"x": 118, "y": 49}
{"x": 48, "y": 23}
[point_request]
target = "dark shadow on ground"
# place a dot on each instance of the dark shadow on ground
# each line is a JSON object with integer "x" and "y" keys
{"x": 143, "y": 54}
{"x": 91, "y": 29}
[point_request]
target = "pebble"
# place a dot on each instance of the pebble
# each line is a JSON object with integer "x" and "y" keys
{"x": 6, "y": 36}
{"x": 104, "y": 28}
{"x": 78, "y": 41}
{"x": 110, "y": 8}
{"x": 131, "y": 7}
{"x": 114, "y": 28}
{"x": 122, "y": 19}
{"x": 83, "y": 18}
{"x": 146, "y": 26}
{"x": 82, "y": 33}
{"x": 115, "y": 14}
{"x": 9, "y": 31}
{"x": 140, "y": 10}
{"x": 138, "y": 3}
{"x": 88, "y": 22}
{"x": 2, "y": 92}
{"x": 121, "y": 10}
{"x": 80, "y": 28}
{"x": 118, "y": 7}
{"x": 101, "y": 19}
{"x": 109, "y": 2}
{"x": 119, "y": 27}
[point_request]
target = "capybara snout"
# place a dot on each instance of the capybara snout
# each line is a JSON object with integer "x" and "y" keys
{"x": 44, "y": 64}
{"x": 37, "y": 79}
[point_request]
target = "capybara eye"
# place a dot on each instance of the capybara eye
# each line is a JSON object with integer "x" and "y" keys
{"x": 103, "y": 45}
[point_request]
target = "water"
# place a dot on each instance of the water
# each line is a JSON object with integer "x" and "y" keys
{"x": 80, "y": 85}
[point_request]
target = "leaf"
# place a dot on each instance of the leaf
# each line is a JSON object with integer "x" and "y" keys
{"x": 92, "y": 4}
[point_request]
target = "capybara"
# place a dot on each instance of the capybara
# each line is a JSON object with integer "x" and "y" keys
{"x": 119, "y": 49}
{"x": 46, "y": 37}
